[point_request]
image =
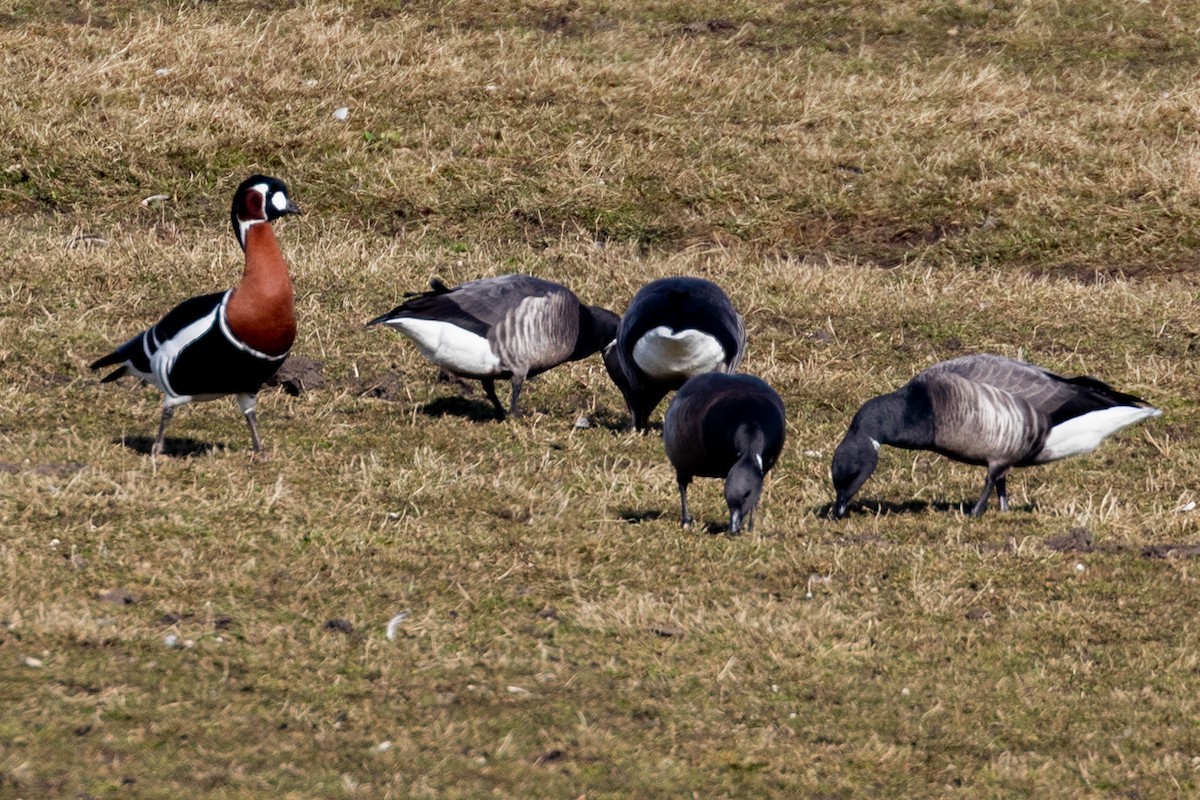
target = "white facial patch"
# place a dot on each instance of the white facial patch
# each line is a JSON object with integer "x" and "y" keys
{"x": 279, "y": 200}
{"x": 664, "y": 354}
{"x": 450, "y": 346}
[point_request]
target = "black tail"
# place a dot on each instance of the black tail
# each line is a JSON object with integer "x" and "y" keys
{"x": 436, "y": 286}
{"x": 1092, "y": 395}
{"x": 384, "y": 317}
{"x": 1102, "y": 388}
{"x": 115, "y": 357}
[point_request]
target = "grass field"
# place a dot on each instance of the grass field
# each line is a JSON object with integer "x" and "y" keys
{"x": 877, "y": 185}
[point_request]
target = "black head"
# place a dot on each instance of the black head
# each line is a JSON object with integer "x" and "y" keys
{"x": 743, "y": 487}
{"x": 853, "y": 462}
{"x": 604, "y": 324}
{"x": 260, "y": 198}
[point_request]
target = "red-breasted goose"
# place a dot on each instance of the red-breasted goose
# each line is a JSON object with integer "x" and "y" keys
{"x": 987, "y": 410}
{"x": 227, "y": 342}
{"x": 673, "y": 329}
{"x": 511, "y": 326}
{"x": 725, "y": 426}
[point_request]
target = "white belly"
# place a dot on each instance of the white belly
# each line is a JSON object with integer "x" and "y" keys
{"x": 1085, "y": 433}
{"x": 664, "y": 354}
{"x": 451, "y": 347}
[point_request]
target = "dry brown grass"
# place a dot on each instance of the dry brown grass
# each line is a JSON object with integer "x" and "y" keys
{"x": 877, "y": 185}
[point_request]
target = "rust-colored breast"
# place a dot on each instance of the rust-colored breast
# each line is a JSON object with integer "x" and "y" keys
{"x": 262, "y": 310}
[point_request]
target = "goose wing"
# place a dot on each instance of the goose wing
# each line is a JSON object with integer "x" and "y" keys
{"x": 980, "y": 423}
{"x": 539, "y": 332}
{"x": 474, "y": 306}
{"x": 1057, "y": 397}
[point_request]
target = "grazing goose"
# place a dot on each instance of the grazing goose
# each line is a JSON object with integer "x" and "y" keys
{"x": 674, "y": 328}
{"x": 512, "y": 326}
{"x": 227, "y": 342}
{"x": 987, "y": 410}
{"x": 725, "y": 426}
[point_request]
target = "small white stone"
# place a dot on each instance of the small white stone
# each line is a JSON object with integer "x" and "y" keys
{"x": 342, "y": 114}
{"x": 171, "y": 640}
{"x": 383, "y": 746}
{"x": 905, "y": 692}
{"x": 582, "y": 424}
{"x": 792, "y": 715}
{"x": 1079, "y": 567}
{"x": 491, "y": 87}
{"x": 54, "y": 543}
{"x": 30, "y": 661}
{"x": 162, "y": 72}
{"x": 775, "y": 687}
{"x": 813, "y": 453}
{"x": 310, "y": 83}
{"x": 1188, "y": 506}
{"x": 517, "y": 690}
{"x": 188, "y": 644}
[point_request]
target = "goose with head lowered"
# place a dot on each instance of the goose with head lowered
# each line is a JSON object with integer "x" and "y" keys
{"x": 227, "y": 342}
{"x": 511, "y": 326}
{"x": 987, "y": 410}
{"x": 673, "y": 329}
{"x": 729, "y": 426}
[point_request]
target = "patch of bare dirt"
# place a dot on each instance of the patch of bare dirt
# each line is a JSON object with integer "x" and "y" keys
{"x": 1076, "y": 540}
{"x": 385, "y": 387}
{"x": 1171, "y": 551}
{"x": 298, "y": 375}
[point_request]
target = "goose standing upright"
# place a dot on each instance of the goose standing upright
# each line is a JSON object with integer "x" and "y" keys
{"x": 673, "y": 329}
{"x": 226, "y": 342}
{"x": 986, "y": 410}
{"x": 511, "y": 326}
{"x": 725, "y": 426}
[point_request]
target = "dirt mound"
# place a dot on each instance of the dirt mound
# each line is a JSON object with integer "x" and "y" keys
{"x": 1076, "y": 540}
{"x": 298, "y": 374}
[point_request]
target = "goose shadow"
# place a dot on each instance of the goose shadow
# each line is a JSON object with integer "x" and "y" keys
{"x": 173, "y": 447}
{"x": 635, "y": 516}
{"x": 617, "y": 421}
{"x": 475, "y": 410}
{"x": 884, "y": 508}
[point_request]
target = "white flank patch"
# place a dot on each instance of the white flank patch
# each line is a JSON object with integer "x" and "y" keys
{"x": 450, "y": 346}
{"x": 163, "y": 359}
{"x": 1084, "y": 434}
{"x": 664, "y": 354}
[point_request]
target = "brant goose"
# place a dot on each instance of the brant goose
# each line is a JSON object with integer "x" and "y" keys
{"x": 674, "y": 328}
{"x": 987, "y": 410}
{"x": 227, "y": 342}
{"x": 511, "y": 326}
{"x": 727, "y": 426}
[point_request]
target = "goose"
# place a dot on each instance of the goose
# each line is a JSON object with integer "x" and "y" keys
{"x": 729, "y": 426}
{"x": 225, "y": 343}
{"x": 987, "y": 410}
{"x": 511, "y": 326}
{"x": 673, "y": 329}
